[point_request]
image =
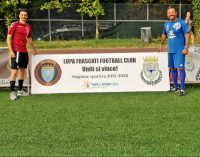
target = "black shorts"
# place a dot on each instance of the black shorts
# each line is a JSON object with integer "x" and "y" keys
{"x": 20, "y": 61}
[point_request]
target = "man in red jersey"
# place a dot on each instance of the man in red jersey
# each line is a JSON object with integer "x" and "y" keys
{"x": 18, "y": 34}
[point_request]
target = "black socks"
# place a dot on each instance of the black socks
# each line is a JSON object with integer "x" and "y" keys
{"x": 20, "y": 84}
{"x": 12, "y": 86}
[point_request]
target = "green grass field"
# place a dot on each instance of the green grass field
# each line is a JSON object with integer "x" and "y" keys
{"x": 101, "y": 124}
{"x": 101, "y": 43}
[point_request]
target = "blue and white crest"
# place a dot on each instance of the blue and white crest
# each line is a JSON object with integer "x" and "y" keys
{"x": 151, "y": 74}
{"x": 151, "y": 70}
{"x": 177, "y": 25}
{"x": 48, "y": 73}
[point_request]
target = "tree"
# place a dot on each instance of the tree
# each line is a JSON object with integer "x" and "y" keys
{"x": 196, "y": 15}
{"x": 92, "y": 8}
{"x": 8, "y": 8}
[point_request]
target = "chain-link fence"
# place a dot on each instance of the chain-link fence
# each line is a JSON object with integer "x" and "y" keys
{"x": 121, "y": 20}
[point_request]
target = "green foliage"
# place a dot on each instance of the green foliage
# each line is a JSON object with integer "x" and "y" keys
{"x": 196, "y": 15}
{"x": 56, "y": 4}
{"x": 146, "y": 1}
{"x": 8, "y": 9}
{"x": 91, "y": 8}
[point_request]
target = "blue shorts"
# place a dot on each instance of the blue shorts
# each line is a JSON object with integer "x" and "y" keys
{"x": 176, "y": 60}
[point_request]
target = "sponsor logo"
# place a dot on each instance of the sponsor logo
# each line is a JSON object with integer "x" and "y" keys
{"x": 151, "y": 74}
{"x": 87, "y": 84}
{"x": 92, "y": 85}
{"x": 47, "y": 72}
{"x": 171, "y": 34}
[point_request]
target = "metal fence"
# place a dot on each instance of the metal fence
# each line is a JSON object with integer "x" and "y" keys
{"x": 121, "y": 20}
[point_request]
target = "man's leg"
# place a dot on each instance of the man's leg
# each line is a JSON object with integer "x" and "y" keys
{"x": 175, "y": 78}
{"x": 21, "y": 76}
{"x": 23, "y": 62}
{"x": 182, "y": 81}
{"x": 174, "y": 72}
{"x": 181, "y": 69}
{"x": 13, "y": 76}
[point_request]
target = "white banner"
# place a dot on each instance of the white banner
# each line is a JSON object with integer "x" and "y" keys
{"x": 5, "y": 69}
{"x": 100, "y": 72}
{"x": 192, "y": 65}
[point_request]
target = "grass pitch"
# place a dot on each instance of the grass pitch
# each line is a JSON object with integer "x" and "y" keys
{"x": 101, "y": 124}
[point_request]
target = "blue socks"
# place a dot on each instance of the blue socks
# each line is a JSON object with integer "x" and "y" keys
{"x": 175, "y": 78}
{"x": 182, "y": 79}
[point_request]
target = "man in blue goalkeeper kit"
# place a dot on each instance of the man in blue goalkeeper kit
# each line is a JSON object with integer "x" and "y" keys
{"x": 177, "y": 33}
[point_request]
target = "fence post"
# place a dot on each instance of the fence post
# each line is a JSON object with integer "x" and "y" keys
{"x": 49, "y": 18}
{"x": 180, "y": 10}
{"x": 82, "y": 26}
{"x": 147, "y": 11}
{"x": 115, "y": 14}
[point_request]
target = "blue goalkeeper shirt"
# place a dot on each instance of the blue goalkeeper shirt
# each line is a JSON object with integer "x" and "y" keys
{"x": 175, "y": 32}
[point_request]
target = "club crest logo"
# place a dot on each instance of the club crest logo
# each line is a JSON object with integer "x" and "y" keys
{"x": 189, "y": 66}
{"x": 177, "y": 25}
{"x": 151, "y": 74}
{"x": 47, "y": 72}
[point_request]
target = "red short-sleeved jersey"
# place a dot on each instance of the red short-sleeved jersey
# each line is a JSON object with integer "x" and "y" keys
{"x": 20, "y": 32}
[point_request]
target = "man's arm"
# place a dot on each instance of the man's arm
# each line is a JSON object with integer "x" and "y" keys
{"x": 163, "y": 38}
{"x": 9, "y": 43}
{"x": 187, "y": 43}
{"x": 187, "y": 40}
{"x": 30, "y": 40}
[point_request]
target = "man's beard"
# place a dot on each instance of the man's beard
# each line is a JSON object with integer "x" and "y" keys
{"x": 172, "y": 17}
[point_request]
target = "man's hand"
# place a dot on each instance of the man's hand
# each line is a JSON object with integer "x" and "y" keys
{"x": 34, "y": 52}
{"x": 160, "y": 48}
{"x": 185, "y": 51}
{"x": 11, "y": 54}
